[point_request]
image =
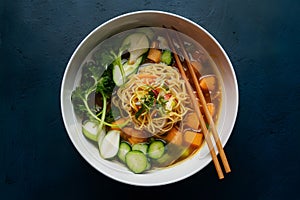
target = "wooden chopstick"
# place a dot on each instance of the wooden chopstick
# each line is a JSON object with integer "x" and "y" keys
{"x": 206, "y": 111}
{"x": 198, "y": 112}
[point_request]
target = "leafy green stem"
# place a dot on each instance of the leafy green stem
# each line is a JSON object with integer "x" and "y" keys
{"x": 118, "y": 62}
{"x": 103, "y": 111}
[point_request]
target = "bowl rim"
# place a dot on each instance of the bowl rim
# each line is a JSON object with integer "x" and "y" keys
{"x": 86, "y": 38}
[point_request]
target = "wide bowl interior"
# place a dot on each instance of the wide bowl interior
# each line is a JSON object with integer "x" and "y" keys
{"x": 133, "y": 20}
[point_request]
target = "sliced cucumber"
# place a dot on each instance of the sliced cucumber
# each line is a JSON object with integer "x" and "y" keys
{"x": 166, "y": 57}
{"x": 156, "y": 149}
{"x": 143, "y": 147}
{"x": 90, "y": 130}
{"x": 148, "y": 165}
{"x": 117, "y": 76}
{"x": 109, "y": 146}
{"x": 123, "y": 150}
{"x": 164, "y": 160}
{"x": 173, "y": 153}
{"x": 128, "y": 69}
{"x": 136, "y": 161}
{"x": 137, "y": 44}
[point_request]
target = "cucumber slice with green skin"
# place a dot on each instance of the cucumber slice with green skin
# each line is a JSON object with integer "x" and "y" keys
{"x": 143, "y": 147}
{"x": 90, "y": 130}
{"x": 156, "y": 149}
{"x": 137, "y": 44}
{"x": 128, "y": 69}
{"x": 170, "y": 156}
{"x": 123, "y": 150}
{"x": 136, "y": 161}
{"x": 166, "y": 57}
{"x": 109, "y": 146}
{"x": 148, "y": 165}
{"x": 117, "y": 75}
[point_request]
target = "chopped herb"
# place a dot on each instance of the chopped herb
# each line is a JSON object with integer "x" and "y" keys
{"x": 151, "y": 93}
{"x": 155, "y": 98}
{"x": 140, "y": 111}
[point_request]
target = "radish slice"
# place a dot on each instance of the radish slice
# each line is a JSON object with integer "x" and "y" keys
{"x": 101, "y": 137}
{"x": 90, "y": 130}
{"x": 109, "y": 146}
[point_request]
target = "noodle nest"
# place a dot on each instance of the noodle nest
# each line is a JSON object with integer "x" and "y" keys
{"x": 154, "y": 99}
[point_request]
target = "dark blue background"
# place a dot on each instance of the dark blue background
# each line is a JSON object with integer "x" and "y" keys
{"x": 37, "y": 159}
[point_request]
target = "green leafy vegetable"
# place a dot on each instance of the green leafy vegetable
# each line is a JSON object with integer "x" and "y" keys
{"x": 140, "y": 111}
{"x": 96, "y": 81}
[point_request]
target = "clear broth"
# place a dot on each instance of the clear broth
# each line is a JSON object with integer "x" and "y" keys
{"x": 204, "y": 67}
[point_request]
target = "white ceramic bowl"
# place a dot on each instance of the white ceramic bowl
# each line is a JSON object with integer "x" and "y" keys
{"x": 132, "y": 20}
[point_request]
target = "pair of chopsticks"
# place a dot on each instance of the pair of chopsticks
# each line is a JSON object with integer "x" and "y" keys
{"x": 197, "y": 106}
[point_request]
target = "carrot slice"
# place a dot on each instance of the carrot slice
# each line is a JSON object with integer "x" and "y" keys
{"x": 118, "y": 123}
{"x": 193, "y": 138}
{"x": 174, "y": 136}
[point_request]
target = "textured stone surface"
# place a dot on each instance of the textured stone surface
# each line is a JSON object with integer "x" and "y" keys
{"x": 37, "y": 159}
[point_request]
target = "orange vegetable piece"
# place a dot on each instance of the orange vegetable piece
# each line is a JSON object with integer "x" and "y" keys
{"x": 208, "y": 83}
{"x": 174, "y": 136}
{"x": 154, "y": 54}
{"x": 193, "y": 138}
{"x": 211, "y": 108}
{"x": 118, "y": 122}
{"x": 134, "y": 140}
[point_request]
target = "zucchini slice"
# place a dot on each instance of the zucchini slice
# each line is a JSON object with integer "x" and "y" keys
{"x": 128, "y": 69}
{"x": 156, "y": 149}
{"x": 143, "y": 147}
{"x": 136, "y": 161}
{"x": 123, "y": 150}
{"x": 117, "y": 76}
